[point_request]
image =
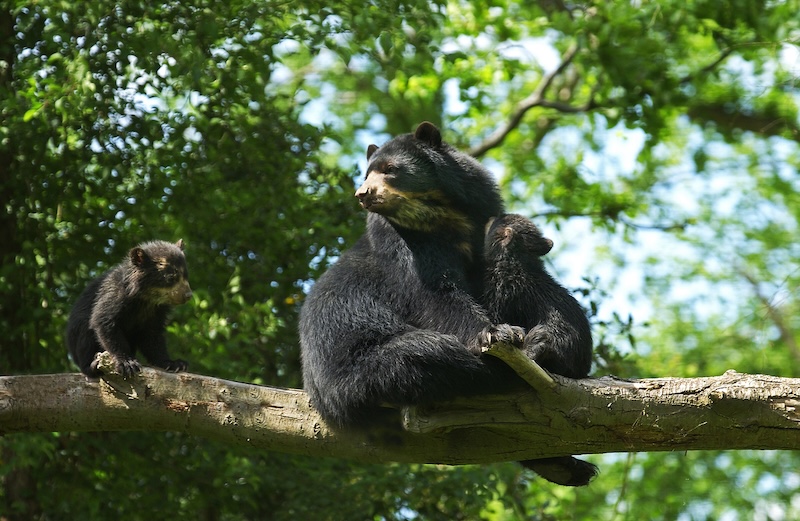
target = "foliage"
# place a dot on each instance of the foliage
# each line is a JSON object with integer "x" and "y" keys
{"x": 656, "y": 142}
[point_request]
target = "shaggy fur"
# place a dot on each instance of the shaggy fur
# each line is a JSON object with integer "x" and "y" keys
{"x": 396, "y": 320}
{"x": 126, "y": 308}
{"x": 518, "y": 290}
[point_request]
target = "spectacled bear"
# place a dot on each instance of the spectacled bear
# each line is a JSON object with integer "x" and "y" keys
{"x": 396, "y": 319}
{"x": 519, "y": 290}
{"x": 125, "y": 309}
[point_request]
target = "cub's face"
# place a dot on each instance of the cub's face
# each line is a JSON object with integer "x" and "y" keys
{"x": 379, "y": 194}
{"x": 517, "y": 235}
{"x": 172, "y": 282}
{"x": 164, "y": 277}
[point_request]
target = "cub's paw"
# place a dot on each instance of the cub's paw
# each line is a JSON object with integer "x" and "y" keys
{"x": 176, "y": 366}
{"x": 540, "y": 346}
{"x": 127, "y": 367}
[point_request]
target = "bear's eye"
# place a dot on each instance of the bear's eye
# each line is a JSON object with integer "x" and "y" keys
{"x": 390, "y": 170}
{"x": 170, "y": 275}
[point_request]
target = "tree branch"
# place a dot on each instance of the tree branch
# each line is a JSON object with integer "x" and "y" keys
{"x": 724, "y": 53}
{"x": 767, "y": 122}
{"x": 596, "y": 415}
{"x": 774, "y": 313}
{"x": 616, "y": 215}
{"x": 535, "y": 99}
{"x": 531, "y": 372}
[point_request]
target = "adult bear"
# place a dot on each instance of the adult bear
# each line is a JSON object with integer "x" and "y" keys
{"x": 394, "y": 320}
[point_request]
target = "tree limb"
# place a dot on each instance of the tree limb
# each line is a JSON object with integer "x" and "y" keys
{"x": 595, "y": 415}
{"x": 535, "y": 99}
{"x": 531, "y": 372}
{"x": 766, "y": 122}
{"x": 723, "y": 55}
{"x": 774, "y": 313}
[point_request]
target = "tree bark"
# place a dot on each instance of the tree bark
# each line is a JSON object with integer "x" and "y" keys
{"x": 558, "y": 416}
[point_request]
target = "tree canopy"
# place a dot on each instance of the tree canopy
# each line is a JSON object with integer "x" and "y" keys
{"x": 656, "y": 143}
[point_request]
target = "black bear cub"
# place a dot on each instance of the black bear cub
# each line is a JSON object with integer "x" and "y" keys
{"x": 518, "y": 290}
{"x": 125, "y": 310}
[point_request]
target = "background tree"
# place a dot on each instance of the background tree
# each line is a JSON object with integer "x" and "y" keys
{"x": 656, "y": 143}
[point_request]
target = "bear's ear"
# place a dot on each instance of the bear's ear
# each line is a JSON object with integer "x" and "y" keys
{"x": 507, "y": 234}
{"x": 179, "y": 244}
{"x": 371, "y": 150}
{"x": 428, "y": 133}
{"x": 137, "y": 256}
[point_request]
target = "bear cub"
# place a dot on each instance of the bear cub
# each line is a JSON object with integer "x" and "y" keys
{"x": 125, "y": 309}
{"x": 518, "y": 290}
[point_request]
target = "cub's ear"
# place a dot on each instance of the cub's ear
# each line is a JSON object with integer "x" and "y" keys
{"x": 179, "y": 244}
{"x": 138, "y": 256}
{"x": 544, "y": 246}
{"x": 371, "y": 150}
{"x": 428, "y": 133}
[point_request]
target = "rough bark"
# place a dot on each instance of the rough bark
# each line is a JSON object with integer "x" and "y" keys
{"x": 557, "y": 416}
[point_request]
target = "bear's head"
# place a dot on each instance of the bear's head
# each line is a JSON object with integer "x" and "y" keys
{"x": 517, "y": 235}
{"x": 158, "y": 273}
{"x": 419, "y": 183}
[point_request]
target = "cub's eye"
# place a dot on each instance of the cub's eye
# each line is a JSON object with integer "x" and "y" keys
{"x": 170, "y": 275}
{"x": 390, "y": 170}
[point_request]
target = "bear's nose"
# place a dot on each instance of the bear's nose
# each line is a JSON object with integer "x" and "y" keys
{"x": 363, "y": 192}
{"x": 366, "y": 196}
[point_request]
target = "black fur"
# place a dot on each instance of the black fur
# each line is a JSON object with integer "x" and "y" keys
{"x": 126, "y": 308}
{"x": 393, "y": 321}
{"x": 396, "y": 320}
{"x": 518, "y": 290}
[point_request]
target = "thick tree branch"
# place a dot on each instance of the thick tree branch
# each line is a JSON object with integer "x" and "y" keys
{"x": 732, "y": 411}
